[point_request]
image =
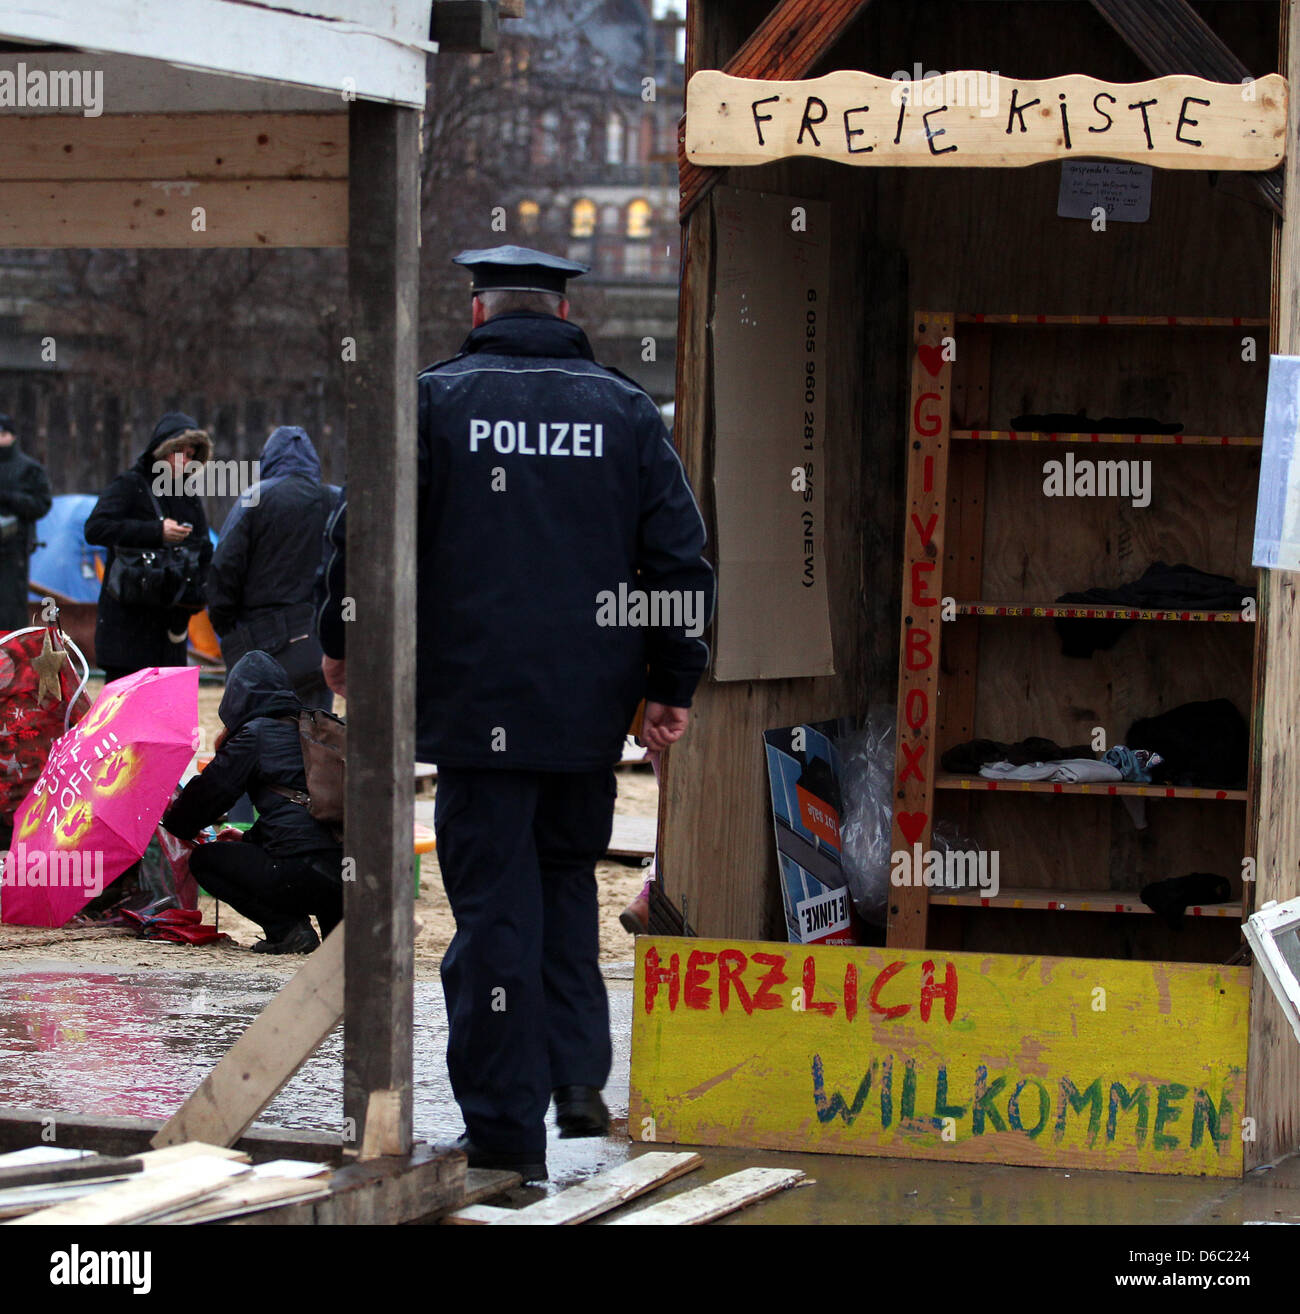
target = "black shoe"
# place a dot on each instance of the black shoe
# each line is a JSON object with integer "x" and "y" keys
{"x": 579, "y": 1111}
{"x": 531, "y": 1166}
{"x": 299, "y": 939}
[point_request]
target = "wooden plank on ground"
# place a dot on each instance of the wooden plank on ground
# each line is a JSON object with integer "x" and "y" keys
{"x": 478, "y": 1215}
{"x": 256, "y": 213}
{"x": 277, "y": 1043}
{"x": 246, "y": 1196}
{"x": 67, "y": 1170}
{"x": 189, "y": 1150}
{"x": 174, "y": 146}
{"x": 725, "y": 1196}
{"x": 140, "y": 1198}
{"x": 606, "y": 1190}
{"x": 633, "y": 837}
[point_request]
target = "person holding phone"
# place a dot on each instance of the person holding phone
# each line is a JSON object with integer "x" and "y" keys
{"x": 131, "y": 513}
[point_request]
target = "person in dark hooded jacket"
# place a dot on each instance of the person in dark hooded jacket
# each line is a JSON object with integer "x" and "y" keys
{"x": 262, "y": 581}
{"x": 24, "y": 496}
{"x": 129, "y": 639}
{"x": 288, "y": 866}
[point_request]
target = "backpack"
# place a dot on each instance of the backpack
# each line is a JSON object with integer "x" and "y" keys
{"x": 323, "y": 738}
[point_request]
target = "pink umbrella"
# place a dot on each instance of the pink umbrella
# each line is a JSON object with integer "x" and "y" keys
{"x": 107, "y": 782}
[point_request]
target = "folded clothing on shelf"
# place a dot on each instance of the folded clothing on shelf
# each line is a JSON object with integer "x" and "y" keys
{"x": 1160, "y": 587}
{"x": 966, "y": 759}
{"x": 1204, "y": 744}
{"x": 1134, "y": 765}
{"x": 1066, "y": 771}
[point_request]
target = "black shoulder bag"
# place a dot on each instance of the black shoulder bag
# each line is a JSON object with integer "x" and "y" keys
{"x": 163, "y": 578}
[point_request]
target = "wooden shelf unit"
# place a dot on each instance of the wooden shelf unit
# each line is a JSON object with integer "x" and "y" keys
{"x": 979, "y": 526}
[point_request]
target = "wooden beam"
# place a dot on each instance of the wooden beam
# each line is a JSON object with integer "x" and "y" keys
{"x": 134, "y": 85}
{"x": 788, "y": 43}
{"x": 1273, "y": 1064}
{"x": 385, "y": 1191}
{"x": 262, "y": 213}
{"x": 283, "y": 1036}
{"x": 1169, "y": 36}
{"x": 383, "y": 271}
{"x": 207, "y": 147}
{"x": 385, "y": 62}
{"x": 20, "y": 1128}
{"x": 465, "y": 27}
{"x": 605, "y": 1191}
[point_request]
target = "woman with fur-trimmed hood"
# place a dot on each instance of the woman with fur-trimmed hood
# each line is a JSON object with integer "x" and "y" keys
{"x": 128, "y": 639}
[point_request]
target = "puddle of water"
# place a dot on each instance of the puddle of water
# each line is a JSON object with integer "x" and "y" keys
{"x": 137, "y": 1043}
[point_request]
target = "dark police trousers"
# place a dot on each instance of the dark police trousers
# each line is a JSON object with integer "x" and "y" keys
{"x": 526, "y": 1003}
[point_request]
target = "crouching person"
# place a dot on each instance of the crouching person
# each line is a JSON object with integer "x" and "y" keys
{"x": 287, "y": 867}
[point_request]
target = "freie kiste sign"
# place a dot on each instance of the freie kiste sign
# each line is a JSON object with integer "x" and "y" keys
{"x": 984, "y": 120}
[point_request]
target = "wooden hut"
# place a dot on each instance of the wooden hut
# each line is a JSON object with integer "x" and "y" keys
{"x": 920, "y": 295}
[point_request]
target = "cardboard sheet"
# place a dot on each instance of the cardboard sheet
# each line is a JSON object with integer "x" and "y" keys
{"x": 769, "y": 335}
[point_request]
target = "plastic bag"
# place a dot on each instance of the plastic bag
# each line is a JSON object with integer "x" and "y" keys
{"x": 866, "y": 828}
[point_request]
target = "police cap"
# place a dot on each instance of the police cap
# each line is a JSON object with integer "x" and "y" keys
{"x": 518, "y": 269}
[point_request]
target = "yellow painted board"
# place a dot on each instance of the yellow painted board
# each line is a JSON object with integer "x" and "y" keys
{"x": 981, "y": 1058}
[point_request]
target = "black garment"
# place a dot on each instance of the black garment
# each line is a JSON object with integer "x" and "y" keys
{"x": 518, "y": 853}
{"x": 25, "y": 493}
{"x": 261, "y": 749}
{"x": 276, "y": 893}
{"x": 966, "y": 759}
{"x": 1170, "y": 898}
{"x": 131, "y": 638}
{"x": 262, "y": 583}
{"x": 1159, "y": 588}
{"x": 1205, "y": 744}
{"x": 515, "y": 669}
{"x": 1080, "y": 422}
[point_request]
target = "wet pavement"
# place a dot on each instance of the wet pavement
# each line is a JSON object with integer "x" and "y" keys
{"x": 136, "y": 1043}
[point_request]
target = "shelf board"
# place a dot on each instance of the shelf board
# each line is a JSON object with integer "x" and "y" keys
{"x": 1136, "y": 439}
{"x": 1117, "y": 321}
{"x": 1072, "y": 611}
{"x": 946, "y": 780}
{"x": 1094, "y": 901}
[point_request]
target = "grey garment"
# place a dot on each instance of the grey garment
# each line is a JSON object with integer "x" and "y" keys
{"x": 1070, "y": 771}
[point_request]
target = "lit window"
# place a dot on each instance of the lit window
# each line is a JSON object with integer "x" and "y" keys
{"x": 584, "y": 218}
{"x": 614, "y": 133}
{"x": 530, "y": 214}
{"x": 639, "y": 214}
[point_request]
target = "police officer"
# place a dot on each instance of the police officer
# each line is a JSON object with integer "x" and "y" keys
{"x": 560, "y": 581}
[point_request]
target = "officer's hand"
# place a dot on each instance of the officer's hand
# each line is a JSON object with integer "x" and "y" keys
{"x": 663, "y": 725}
{"x": 335, "y": 671}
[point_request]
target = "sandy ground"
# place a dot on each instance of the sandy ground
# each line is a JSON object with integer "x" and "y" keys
{"x": 618, "y": 884}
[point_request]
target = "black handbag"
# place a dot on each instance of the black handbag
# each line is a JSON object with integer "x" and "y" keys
{"x": 162, "y": 578}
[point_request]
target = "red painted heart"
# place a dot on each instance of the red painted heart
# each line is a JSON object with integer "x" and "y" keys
{"x": 931, "y": 358}
{"x": 912, "y": 824}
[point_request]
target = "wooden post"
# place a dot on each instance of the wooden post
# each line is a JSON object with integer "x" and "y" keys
{"x": 1273, "y": 1067}
{"x": 383, "y": 254}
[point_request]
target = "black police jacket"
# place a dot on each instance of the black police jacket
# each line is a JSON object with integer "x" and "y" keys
{"x": 560, "y": 568}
